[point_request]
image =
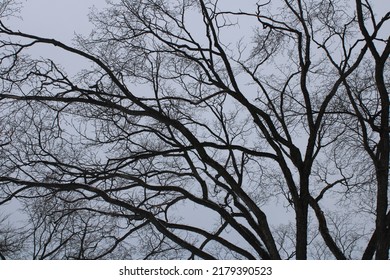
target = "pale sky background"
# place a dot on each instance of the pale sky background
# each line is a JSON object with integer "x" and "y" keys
{"x": 61, "y": 19}
{"x": 58, "y": 18}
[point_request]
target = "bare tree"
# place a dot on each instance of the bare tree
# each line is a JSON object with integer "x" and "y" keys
{"x": 366, "y": 126}
{"x": 11, "y": 244}
{"x": 178, "y": 137}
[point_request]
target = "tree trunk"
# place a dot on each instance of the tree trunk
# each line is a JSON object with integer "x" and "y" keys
{"x": 382, "y": 165}
{"x": 302, "y": 220}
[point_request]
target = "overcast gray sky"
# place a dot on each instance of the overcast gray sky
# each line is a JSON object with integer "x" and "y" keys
{"x": 61, "y": 19}
{"x": 57, "y": 18}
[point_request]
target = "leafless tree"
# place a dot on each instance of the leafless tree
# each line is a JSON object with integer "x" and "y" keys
{"x": 183, "y": 136}
{"x": 365, "y": 142}
{"x": 11, "y": 244}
